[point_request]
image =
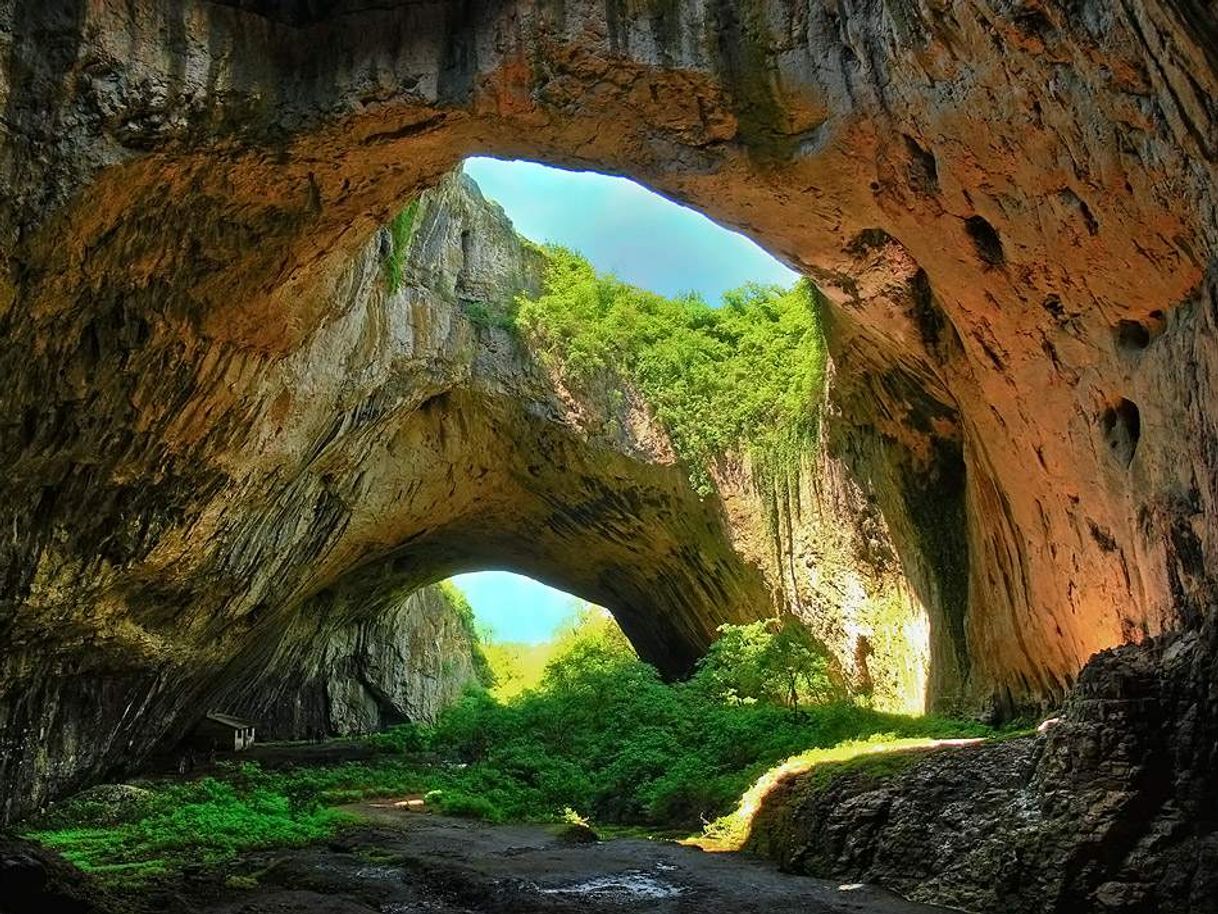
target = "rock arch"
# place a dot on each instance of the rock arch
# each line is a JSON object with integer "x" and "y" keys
{"x": 982, "y": 191}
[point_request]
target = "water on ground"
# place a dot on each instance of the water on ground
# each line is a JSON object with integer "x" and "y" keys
{"x": 403, "y": 861}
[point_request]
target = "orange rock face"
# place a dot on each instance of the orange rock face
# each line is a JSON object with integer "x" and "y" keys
{"x": 1007, "y": 206}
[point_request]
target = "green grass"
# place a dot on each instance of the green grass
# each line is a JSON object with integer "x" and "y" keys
{"x": 401, "y": 227}
{"x": 204, "y": 821}
{"x": 600, "y": 737}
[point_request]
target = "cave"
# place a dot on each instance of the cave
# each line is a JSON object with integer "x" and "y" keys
{"x": 1005, "y": 208}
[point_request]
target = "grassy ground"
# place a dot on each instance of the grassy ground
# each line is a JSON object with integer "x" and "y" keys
{"x": 600, "y": 738}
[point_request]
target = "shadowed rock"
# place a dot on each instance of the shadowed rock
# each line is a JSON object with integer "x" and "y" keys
{"x": 190, "y": 197}
{"x": 1111, "y": 809}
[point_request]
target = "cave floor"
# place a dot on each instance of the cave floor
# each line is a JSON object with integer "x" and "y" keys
{"x": 402, "y": 862}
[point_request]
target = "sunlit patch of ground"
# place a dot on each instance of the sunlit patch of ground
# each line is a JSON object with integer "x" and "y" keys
{"x": 880, "y": 755}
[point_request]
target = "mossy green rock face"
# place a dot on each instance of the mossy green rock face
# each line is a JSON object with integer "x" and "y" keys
{"x": 98, "y": 807}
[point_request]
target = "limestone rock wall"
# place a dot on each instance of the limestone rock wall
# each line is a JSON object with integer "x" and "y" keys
{"x": 1006, "y": 203}
{"x": 829, "y": 558}
{"x": 1112, "y": 809}
{"x": 206, "y": 525}
{"x": 406, "y": 663}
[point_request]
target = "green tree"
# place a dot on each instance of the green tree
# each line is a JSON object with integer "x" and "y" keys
{"x": 773, "y": 660}
{"x": 748, "y": 376}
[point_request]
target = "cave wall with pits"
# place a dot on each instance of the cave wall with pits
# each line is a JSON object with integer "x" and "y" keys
{"x": 1008, "y": 206}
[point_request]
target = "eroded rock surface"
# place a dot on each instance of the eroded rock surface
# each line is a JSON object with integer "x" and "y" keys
{"x": 1008, "y": 205}
{"x": 35, "y": 877}
{"x": 1114, "y": 808}
{"x": 277, "y": 511}
{"x": 347, "y": 673}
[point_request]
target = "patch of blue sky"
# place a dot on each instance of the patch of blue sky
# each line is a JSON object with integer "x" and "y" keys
{"x": 626, "y": 229}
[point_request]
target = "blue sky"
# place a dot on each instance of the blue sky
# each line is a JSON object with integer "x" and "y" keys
{"x": 624, "y": 228}
{"x": 516, "y": 608}
{"x": 645, "y": 239}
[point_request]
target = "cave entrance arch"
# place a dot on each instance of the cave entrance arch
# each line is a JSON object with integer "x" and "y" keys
{"x": 189, "y": 184}
{"x": 272, "y": 237}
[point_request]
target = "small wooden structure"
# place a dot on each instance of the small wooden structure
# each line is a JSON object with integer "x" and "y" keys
{"x": 223, "y": 733}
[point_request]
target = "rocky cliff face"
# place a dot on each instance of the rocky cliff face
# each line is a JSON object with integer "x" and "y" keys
{"x": 1112, "y": 809}
{"x": 828, "y": 556}
{"x": 339, "y": 676}
{"x": 1007, "y": 205}
{"x": 270, "y": 513}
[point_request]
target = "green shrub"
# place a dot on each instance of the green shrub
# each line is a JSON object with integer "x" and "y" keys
{"x": 601, "y": 733}
{"x": 400, "y": 738}
{"x": 770, "y": 660}
{"x": 486, "y": 316}
{"x": 747, "y": 376}
{"x": 455, "y": 803}
{"x": 208, "y": 820}
{"x": 401, "y": 227}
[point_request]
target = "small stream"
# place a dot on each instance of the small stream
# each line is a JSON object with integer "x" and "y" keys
{"x": 627, "y": 887}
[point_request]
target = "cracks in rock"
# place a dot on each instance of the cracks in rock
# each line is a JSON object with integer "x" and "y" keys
{"x": 407, "y": 131}
{"x": 923, "y": 169}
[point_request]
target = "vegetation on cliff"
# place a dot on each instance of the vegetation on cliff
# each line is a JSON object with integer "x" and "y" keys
{"x": 746, "y": 376}
{"x": 600, "y": 734}
{"x": 401, "y": 227}
{"x": 465, "y": 614}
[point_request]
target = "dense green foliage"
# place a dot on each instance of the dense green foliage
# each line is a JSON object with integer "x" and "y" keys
{"x": 601, "y": 736}
{"x": 776, "y": 661}
{"x": 201, "y": 821}
{"x": 400, "y": 229}
{"x": 518, "y": 668}
{"x": 605, "y": 736}
{"x": 745, "y": 376}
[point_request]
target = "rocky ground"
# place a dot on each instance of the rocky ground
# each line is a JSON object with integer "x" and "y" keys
{"x": 1112, "y": 808}
{"x": 404, "y": 862}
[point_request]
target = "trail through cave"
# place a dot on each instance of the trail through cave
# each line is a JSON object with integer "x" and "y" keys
{"x": 400, "y": 862}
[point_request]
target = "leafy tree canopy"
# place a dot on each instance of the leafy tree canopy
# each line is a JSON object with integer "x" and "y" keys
{"x": 748, "y": 375}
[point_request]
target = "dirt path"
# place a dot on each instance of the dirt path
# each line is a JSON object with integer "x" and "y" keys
{"x": 406, "y": 862}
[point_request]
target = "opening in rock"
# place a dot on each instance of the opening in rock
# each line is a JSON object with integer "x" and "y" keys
{"x": 523, "y": 625}
{"x": 249, "y": 499}
{"x": 1131, "y": 336}
{"x": 1122, "y": 425}
{"x": 985, "y": 240}
{"x": 638, "y": 426}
